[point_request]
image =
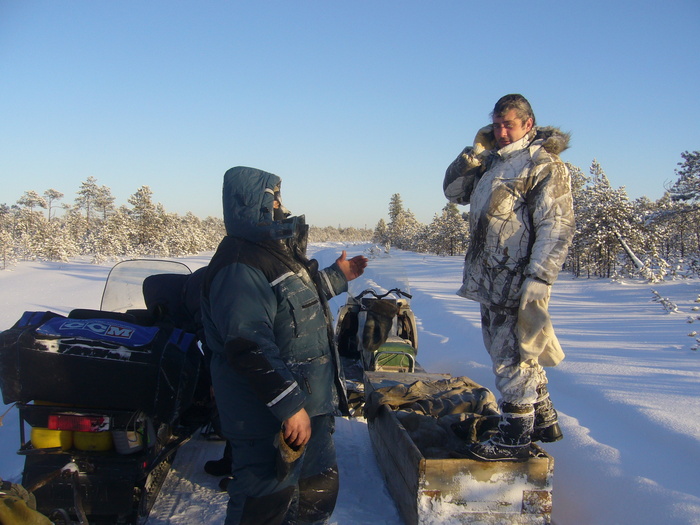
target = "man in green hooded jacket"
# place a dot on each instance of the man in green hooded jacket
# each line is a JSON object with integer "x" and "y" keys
{"x": 275, "y": 370}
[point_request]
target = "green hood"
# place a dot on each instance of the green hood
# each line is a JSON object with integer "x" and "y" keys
{"x": 248, "y": 197}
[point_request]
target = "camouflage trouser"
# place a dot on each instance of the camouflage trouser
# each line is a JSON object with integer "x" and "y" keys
{"x": 307, "y": 492}
{"x": 517, "y": 382}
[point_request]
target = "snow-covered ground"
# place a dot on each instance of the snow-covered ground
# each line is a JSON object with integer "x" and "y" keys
{"x": 628, "y": 393}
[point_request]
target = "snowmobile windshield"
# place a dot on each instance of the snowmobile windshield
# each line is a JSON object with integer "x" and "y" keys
{"x": 124, "y": 287}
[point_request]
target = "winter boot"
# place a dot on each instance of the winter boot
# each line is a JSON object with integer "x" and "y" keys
{"x": 512, "y": 441}
{"x": 223, "y": 483}
{"x": 223, "y": 466}
{"x": 218, "y": 467}
{"x": 546, "y": 426}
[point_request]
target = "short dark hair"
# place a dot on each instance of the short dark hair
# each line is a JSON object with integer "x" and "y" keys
{"x": 519, "y": 103}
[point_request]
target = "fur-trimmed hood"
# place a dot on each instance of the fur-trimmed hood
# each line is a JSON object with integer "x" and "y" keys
{"x": 553, "y": 140}
{"x": 472, "y": 162}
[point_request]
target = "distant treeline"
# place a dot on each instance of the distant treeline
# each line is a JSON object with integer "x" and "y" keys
{"x": 94, "y": 226}
{"x": 614, "y": 236}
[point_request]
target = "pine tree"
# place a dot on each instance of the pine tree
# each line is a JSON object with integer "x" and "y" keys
{"x": 53, "y": 242}
{"x": 404, "y": 230}
{"x": 403, "y": 227}
{"x": 687, "y": 187}
{"x": 395, "y": 208}
{"x": 87, "y": 195}
{"x": 579, "y": 181}
{"x": 104, "y": 202}
{"x": 605, "y": 217}
{"x": 686, "y": 193}
{"x": 31, "y": 200}
{"x": 51, "y": 196}
{"x": 214, "y": 230}
{"x": 8, "y": 251}
{"x": 448, "y": 234}
{"x": 28, "y": 225}
{"x": 114, "y": 238}
{"x": 381, "y": 233}
{"x": 147, "y": 222}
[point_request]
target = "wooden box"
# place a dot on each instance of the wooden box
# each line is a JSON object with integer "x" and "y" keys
{"x": 430, "y": 491}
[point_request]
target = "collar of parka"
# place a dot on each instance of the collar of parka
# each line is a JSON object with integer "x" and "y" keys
{"x": 551, "y": 139}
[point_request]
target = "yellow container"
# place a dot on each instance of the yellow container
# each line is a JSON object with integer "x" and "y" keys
{"x": 95, "y": 441}
{"x": 45, "y": 438}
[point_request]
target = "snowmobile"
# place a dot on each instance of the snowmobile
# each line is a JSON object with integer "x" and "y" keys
{"x": 375, "y": 332}
{"x": 379, "y": 330}
{"x": 108, "y": 395}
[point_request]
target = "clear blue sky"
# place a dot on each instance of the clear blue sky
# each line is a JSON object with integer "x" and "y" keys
{"x": 349, "y": 102}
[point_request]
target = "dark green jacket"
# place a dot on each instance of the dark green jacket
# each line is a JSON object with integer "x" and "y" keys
{"x": 265, "y": 314}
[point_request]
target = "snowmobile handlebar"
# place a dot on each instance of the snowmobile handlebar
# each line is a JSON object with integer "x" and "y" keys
{"x": 396, "y": 291}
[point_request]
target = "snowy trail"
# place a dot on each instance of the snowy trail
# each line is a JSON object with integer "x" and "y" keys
{"x": 628, "y": 392}
{"x": 189, "y": 495}
{"x": 363, "y": 497}
{"x": 619, "y": 392}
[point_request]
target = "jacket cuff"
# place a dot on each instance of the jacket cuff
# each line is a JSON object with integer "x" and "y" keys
{"x": 334, "y": 280}
{"x": 288, "y": 403}
{"x": 539, "y": 279}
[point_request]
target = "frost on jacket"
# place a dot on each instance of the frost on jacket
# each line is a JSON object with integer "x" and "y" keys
{"x": 521, "y": 214}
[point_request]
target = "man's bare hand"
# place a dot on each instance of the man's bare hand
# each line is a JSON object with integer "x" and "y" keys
{"x": 351, "y": 268}
{"x": 297, "y": 429}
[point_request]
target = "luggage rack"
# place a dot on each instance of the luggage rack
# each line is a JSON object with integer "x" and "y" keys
{"x": 38, "y": 415}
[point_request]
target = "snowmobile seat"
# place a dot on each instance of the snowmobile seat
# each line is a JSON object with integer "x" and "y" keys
{"x": 347, "y": 334}
{"x": 174, "y": 298}
{"x": 86, "y": 313}
{"x": 377, "y": 319}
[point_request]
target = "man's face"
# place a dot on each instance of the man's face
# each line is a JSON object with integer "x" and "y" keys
{"x": 509, "y": 128}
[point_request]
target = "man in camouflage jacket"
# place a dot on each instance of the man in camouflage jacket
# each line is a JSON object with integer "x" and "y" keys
{"x": 521, "y": 226}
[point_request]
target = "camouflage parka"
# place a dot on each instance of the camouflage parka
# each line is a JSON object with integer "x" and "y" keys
{"x": 521, "y": 213}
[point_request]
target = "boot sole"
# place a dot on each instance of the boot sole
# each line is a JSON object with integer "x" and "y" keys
{"x": 472, "y": 455}
{"x": 516, "y": 458}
